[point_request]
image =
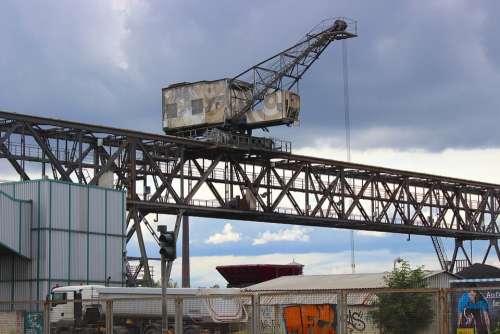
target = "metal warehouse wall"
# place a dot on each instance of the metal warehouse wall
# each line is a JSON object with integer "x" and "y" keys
{"x": 15, "y": 281}
{"x": 15, "y": 224}
{"x": 441, "y": 280}
{"x": 77, "y": 236}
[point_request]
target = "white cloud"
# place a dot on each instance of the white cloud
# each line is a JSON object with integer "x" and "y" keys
{"x": 203, "y": 272}
{"x": 227, "y": 235}
{"x": 372, "y": 234}
{"x": 480, "y": 164}
{"x": 295, "y": 233}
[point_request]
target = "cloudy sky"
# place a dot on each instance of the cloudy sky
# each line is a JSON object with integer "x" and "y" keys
{"x": 424, "y": 78}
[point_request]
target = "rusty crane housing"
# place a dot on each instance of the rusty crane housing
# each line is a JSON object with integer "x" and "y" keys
{"x": 204, "y": 104}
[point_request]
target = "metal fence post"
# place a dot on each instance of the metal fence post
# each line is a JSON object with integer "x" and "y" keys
{"x": 46, "y": 317}
{"x": 342, "y": 311}
{"x": 109, "y": 316}
{"x": 440, "y": 316}
{"x": 255, "y": 313}
{"x": 446, "y": 310}
{"x": 164, "y": 309}
{"x": 179, "y": 315}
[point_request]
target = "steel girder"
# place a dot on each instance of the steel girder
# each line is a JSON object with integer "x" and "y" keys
{"x": 167, "y": 174}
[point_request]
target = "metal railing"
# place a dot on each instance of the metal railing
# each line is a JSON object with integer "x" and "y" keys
{"x": 34, "y": 151}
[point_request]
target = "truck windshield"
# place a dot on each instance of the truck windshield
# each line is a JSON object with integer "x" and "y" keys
{"x": 58, "y": 298}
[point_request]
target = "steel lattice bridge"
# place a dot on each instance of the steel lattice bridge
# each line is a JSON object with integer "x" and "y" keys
{"x": 173, "y": 175}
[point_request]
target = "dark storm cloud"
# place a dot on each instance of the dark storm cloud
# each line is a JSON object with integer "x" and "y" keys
{"x": 423, "y": 73}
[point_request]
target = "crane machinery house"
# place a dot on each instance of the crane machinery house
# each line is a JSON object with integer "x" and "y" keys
{"x": 188, "y": 106}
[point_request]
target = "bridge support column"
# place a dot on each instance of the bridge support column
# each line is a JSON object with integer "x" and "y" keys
{"x": 186, "y": 273}
{"x": 177, "y": 228}
{"x": 493, "y": 244}
{"x": 459, "y": 245}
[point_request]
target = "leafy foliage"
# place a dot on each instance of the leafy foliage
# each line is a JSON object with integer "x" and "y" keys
{"x": 405, "y": 312}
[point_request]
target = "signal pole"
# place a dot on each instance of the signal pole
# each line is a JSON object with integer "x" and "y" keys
{"x": 185, "y": 253}
{"x": 168, "y": 253}
{"x": 164, "y": 313}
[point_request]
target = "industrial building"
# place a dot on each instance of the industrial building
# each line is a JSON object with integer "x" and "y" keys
{"x": 59, "y": 233}
{"x": 478, "y": 275}
{"x": 432, "y": 279}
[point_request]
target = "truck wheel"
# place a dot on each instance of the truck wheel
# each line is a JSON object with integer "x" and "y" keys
{"x": 192, "y": 330}
{"x": 152, "y": 330}
{"x": 120, "y": 331}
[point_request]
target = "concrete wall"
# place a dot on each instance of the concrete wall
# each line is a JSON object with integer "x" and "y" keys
{"x": 12, "y": 322}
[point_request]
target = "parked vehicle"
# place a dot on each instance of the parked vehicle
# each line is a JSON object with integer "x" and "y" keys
{"x": 82, "y": 309}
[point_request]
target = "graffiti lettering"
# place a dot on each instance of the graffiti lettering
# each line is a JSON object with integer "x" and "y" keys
{"x": 270, "y": 325}
{"x": 355, "y": 321}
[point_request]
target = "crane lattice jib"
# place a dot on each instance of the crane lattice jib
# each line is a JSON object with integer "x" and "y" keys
{"x": 283, "y": 70}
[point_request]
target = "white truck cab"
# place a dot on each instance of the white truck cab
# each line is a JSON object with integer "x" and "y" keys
{"x": 75, "y": 306}
{"x": 82, "y": 308}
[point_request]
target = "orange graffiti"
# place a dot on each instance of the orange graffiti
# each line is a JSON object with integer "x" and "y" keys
{"x": 310, "y": 319}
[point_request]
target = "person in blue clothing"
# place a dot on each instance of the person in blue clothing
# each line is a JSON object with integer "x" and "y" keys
{"x": 473, "y": 312}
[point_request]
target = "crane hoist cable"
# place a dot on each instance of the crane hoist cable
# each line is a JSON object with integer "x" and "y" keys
{"x": 345, "y": 74}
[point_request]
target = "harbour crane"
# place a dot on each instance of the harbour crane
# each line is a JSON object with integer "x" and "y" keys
{"x": 264, "y": 95}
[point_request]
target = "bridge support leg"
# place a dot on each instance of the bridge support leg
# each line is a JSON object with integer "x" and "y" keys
{"x": 147, "y": 279}
{"x": 459, "y": 244}
{"x": 493, "y": 244}
{"x": 178, "y": 223}
{"x": 185, "y": 253}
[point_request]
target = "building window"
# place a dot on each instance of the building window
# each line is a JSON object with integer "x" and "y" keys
{"x": 197, "y": 106}
{"x": 171, "y": 110}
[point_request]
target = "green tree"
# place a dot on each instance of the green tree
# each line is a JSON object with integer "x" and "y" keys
{"x": 403, "y": 312}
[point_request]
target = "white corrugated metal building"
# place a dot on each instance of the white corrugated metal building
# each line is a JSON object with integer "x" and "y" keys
{"x": 433, "y": 279}
{"x": 279, "y": 293}
{"x": 15, "y": 227}
{"x": 69, "y": 234}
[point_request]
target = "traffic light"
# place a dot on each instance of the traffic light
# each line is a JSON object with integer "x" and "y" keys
{"x": 167, "y": 243}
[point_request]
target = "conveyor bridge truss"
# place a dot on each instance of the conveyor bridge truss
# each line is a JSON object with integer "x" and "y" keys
{"x": 173, "y": 175}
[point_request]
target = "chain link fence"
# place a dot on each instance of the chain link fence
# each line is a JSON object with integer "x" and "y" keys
{"x": 363, "y": 311}
{"x": 349, "y": 311}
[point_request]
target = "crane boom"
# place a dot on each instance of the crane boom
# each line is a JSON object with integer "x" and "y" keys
{"x": 284, "y": 70}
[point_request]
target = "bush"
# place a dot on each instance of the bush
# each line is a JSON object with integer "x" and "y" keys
{"x": 403, "y": 313}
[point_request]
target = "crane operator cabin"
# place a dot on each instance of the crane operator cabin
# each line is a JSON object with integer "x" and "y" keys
{"x": 208, "y": 103}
